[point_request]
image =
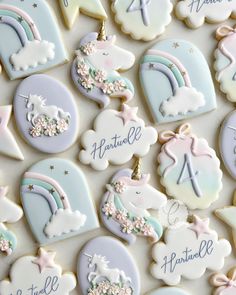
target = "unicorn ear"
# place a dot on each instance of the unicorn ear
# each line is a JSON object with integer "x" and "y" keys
{"x": 224, "y": 31}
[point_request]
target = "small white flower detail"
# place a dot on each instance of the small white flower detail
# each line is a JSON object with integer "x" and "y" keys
{"x": 109, "y": 209}
{"x": 36, "y": 130}
{"x": 100, "y": 76}
{"x": 88, "y": 48}
{"x": 119, "y": 85}
{"x": 119, "y": 187}
{"x": 139, "y": 223}
{"x": 4, "y": 245}
{"x": 114, "y": 290}
{"x": 82, "y": 69}
{"x": 93, "y": 292}
{"x": 127, "y": 227}
{"x": 41, "y": 122}
{"x": 87, "y": 83}
{"x": 147, "y": 230}
{"x": 103, "y": 287}
{"x": 121, "y": 216}
{"x": 62, "y": 125}
{"x": 107, "y": 88}
{"x": 51, "y": 130}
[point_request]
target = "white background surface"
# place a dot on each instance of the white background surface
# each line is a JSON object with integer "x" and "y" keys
{"x": 205, "y": 126}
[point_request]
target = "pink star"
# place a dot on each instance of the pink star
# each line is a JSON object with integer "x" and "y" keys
{"x": 200, "y": 226}
{"x": 45, "y": 260}
{"x": 128, "y": 114}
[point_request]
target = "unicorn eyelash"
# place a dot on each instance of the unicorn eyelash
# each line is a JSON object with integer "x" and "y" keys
{"x": 138, "y": 193}
{"x": 105, "y": 53}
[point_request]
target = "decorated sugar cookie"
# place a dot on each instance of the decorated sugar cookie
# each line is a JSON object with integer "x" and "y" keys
{"x": 8, "y": 144}
{"x": 9, "y": 213}
{"x": 46, "y": 114}
{"x": 225, "y": 60}
{"x": 227, "y": 214}
{"x": 37, "y": 275}
{"x": 106, "y": 267}
{"x": 95, "y": 68}
{"x": 27, "y": 45}
{"x": 124, "y": 207}
{"x": 224, "y": 284}
{"x": 71, "y": 8}
{"x": 114, "y": 134}
{"x": 186, "y": 88}
{"x": 196, "y": 12}
{"x": 142, "y": 19}
{"x": 60, "y": 190}
{"x": 187, "y": 251}
{"x": 169, "y": 291}
{"x": 173, "y": 213}
{"x": 189, "y": 168}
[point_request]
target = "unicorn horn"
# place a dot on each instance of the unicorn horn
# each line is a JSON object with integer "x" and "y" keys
{"x": 24, "y": 96}
{"x": 87, "y": 255}
{"x": 136, "y": 175}
{"x": 102, "y": 33}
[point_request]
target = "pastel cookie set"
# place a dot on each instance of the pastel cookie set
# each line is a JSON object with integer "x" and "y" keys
{"x": 56, "y": 200}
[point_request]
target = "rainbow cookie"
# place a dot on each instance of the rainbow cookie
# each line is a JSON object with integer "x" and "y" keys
{"x": 37, "y": 275}
{"x": 71, "y": 8}
{"x": 142, "y": 19}
{"x": 28, "y": 45}
{"x": 189, "y": 168}
{"x": 105, "y": 264}
{"x": 176, "y": 81}
{"x": 59, "y": 188}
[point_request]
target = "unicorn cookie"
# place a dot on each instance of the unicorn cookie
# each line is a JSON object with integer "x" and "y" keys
{"x": 28, "y": 46}
{"x": 114, "y": 134}
{"x": 46, "y": 114}
{"x": 187, "y": 88}
{"x": 105, "y": 264}
{"x": 9, "y": 213}
{"x": 142, "y": 19}
{"x": 60, "y": 190}
{"x": 189, "y": 168}
{"x": 38, "y": 275}
{"x": 224, "y": 284}
{"x": 188, "y": 251}
{"x": 124, "y": 207}
{"x": 71, "y": 8}
{"x": 95, "y": 69}
{"x": 225, "y": 63}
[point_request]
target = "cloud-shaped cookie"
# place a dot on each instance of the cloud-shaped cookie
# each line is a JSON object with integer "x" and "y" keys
{"x": 196, "y": 12}
{"x": 188, "y": 251}
{"x": 116, "y": 137}
{"x": 35, "y": 275}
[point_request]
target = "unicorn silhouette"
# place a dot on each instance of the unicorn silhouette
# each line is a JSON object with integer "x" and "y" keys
{"x": 95, "y": 69}
{"x": 125, "y": 205}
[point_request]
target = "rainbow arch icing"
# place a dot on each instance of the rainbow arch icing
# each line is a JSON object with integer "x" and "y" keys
{"x": 34, "y": 51}
{"x": 184, "y": 97}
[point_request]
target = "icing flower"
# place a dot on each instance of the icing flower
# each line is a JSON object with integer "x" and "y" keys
{"x": 82, "y": 69}
{"x": 4, "y": 245}
{"x": 107, "y": 88}
{"x": 51, "y": 130}
{"x": 41, "y": 122}
{"x": 109, "y": 209}
{"x": 87, "y": 83}
{"x": 62, "y": 125}
{"x": 147, "y": 230}
{"x": 119, "y": 187}
{"x": 125, "y": 291}
{"x": 93, "y": 292}
{"x": 103, "y": 287}
{"x": 114, "y": 290}
{"x": 119, "y": 85}
{"x": 36, "y": 131}
{"x": 88, "y": 48}
{"x": 100, "y": 76}
{"x": 139, "y": 223}
{"x": 127, "y": 227}
{"x": 121, "y": 216}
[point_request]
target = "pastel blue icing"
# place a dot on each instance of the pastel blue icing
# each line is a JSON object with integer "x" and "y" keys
{"x": 157, "y": 87}
{"x": 10, "y": 43}
{"x": 37, "y": 210}
{"x": 169, "y": 291}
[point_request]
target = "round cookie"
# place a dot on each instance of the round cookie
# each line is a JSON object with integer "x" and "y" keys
{"x": 46, "y": 114}
{"x": 142, "y": 19}
{"x": 104, "y": 263}
{"x": 189, "y": 168}
{"x": 59, "y": 188}
{"x": 168, "y": 291}
{"x": 187, "y": 88}
{"x": 37, "y": 275}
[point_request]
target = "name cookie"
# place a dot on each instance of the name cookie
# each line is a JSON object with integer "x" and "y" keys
{"x": 124, "y": 207}
{"x": 142, "y": 19}
{"x": 37, "y": 275}
{"x": 46, "y": 114}
{"x": 95, "y": 70}
{"x": 116, "y": 133}
{"x": 105, "y": 266}
{"x": 196, "y": 12}
{"x": 224, "y": 284}
{"x": 60, "y": 190}
{"x": 187, "y": 87}
{"x": 189, "y": 168}
{"x": 30, "y": 47}
{"x": 187, "y": 251}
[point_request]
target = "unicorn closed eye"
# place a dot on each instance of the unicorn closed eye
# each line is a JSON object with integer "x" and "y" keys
{"x": 95, "y": 69}
{"x": 125, "y": 205}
